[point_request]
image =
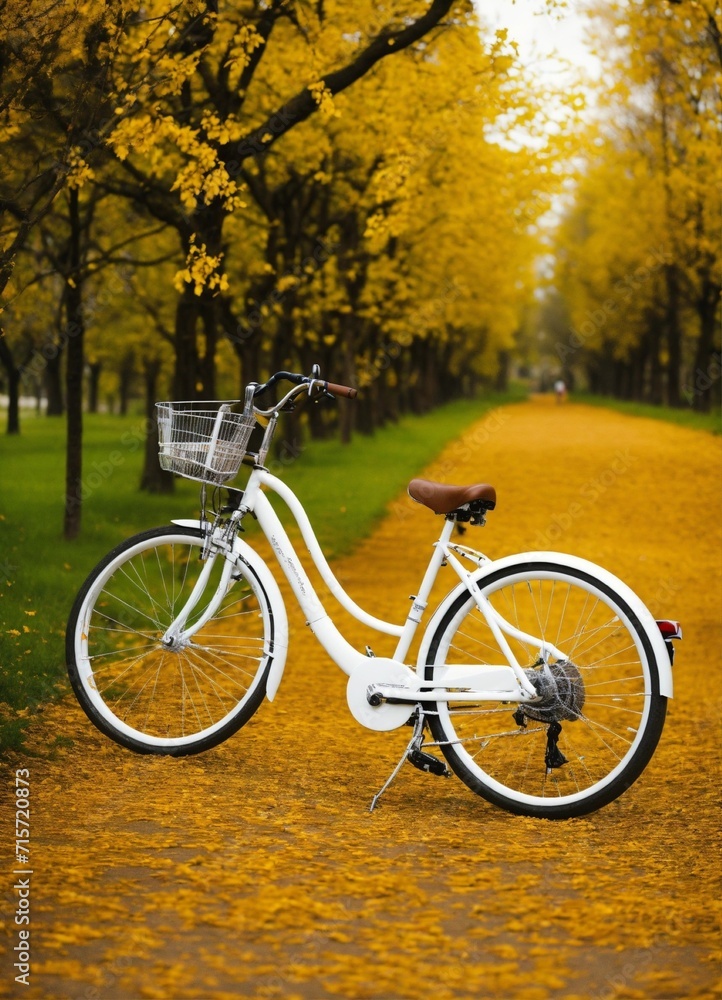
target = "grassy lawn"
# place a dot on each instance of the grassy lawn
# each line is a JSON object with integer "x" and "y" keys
{"x": 344, "y": 489}
{"x": 685, "y": 417}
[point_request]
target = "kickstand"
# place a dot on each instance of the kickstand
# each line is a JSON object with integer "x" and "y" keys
{"x": 414, "y": 743}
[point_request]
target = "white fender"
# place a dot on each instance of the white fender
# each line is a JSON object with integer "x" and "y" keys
{"x": 573, "y": 562}
{"x": 278, "y": 626}
{"x": 277, "y": 623}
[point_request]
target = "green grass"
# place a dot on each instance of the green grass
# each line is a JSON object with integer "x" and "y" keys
{"x": 345, "y": 491}
{"x": 685, "y": 417}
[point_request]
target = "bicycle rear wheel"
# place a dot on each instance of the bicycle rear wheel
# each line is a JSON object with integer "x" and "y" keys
{"x": 138, "y": 691}
{"x": 604, "y": 696}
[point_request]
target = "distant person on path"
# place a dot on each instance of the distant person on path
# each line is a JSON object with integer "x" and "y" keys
{"x": 560, "y": 390}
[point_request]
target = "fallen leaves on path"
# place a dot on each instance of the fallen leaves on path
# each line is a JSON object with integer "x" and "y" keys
{"x": 255, "y": 870}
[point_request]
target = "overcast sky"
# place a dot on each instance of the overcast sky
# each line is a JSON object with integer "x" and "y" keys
{"x": 542, "y": 35}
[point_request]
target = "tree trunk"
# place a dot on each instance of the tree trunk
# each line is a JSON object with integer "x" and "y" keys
{"x": 195, "y": 374}
{"x": 348, "y": 409}
{"x": 13, "y": 424}
{"x": 186, "y": 351}
{"x": 450, "y": 386}
{"x": 501, "y": 382}
{"x": 94, "y": 370}
{"x": 431, "y": 376}
{"x": 639, "y": 364}
{"x": 126, "y": 373}
{"x": 153, "y": 479}
{"x": 674, "y": 337}
{"x": 656, "y": 392}
{"x": 706, "y": 372}
{"x": 53, "y": 384}
{"x": 13, "y": 373}
{"x": 607, "y": 371}
{"x": 207, "y": 365}
{"x": 74, "y": 379}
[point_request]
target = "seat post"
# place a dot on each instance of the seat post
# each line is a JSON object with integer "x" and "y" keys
{"x": 447, "y": 530}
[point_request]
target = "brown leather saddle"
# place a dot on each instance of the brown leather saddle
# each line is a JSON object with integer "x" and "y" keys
{"x": 457, "y": 503}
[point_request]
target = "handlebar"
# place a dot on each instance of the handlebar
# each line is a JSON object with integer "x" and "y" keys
{"x": 278, "y": 377}
{"x": 312, "y": 385}
{"x": 329, "y": 389}
{"x": 340, "y": 390}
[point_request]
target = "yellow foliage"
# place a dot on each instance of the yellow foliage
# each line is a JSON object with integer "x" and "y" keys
{"x": 401, "y": 212}
{"x": 647, "y": 206}
{"x": 324, "y": 99}
{"x": 245, "y": 41}
{"x": 201, "y": 271}
{"x": 79, "y": 170}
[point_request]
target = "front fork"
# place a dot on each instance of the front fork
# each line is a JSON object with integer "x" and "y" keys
{"x": 216, "y": 545}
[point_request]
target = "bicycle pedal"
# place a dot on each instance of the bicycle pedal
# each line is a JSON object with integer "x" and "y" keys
{"x": 427, "y": 762}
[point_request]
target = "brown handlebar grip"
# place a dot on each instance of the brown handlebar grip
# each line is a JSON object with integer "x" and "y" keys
{"x": 342, "y": 390}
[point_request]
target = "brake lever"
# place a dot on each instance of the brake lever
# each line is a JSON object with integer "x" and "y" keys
{"x": 320, "y": 393}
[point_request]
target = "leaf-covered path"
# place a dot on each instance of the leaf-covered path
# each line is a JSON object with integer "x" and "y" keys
{"x": 256, "y": 869}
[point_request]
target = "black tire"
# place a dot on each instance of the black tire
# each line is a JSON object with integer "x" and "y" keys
{"x": 145, "y": 696}
{"x": 607, "y": 699}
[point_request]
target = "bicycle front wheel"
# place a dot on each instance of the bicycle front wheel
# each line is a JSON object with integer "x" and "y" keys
{"x": 150, "y": 696}
{"x": 601, "y": 712}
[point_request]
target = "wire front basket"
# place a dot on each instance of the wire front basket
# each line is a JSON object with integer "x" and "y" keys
{"x": 203, "y": 440}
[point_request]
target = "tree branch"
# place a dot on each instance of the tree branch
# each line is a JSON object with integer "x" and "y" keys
{"x": 156, "y": 199}
{"x": 303, "y": 105}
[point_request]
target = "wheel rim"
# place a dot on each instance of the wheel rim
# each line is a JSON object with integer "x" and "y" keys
{"x": 141, "y": 687}
{"x": 607, "y": 649}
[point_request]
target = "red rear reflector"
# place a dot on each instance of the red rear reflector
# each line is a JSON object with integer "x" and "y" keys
{"x": 669, "y": 629}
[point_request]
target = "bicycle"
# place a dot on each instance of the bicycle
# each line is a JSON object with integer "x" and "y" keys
{"x": 541, "y": 677}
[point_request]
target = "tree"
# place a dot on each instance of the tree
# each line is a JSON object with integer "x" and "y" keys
{"x": 55, "y": 63}
{"x": 641, "y": 251}
{"x": 311, "y": 199}
{"x": 184, "y": 150}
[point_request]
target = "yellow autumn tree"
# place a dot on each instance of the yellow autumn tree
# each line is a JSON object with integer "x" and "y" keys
{"x": 431, "y": 217}
{"x": 640, "y": 253}
{"x": 314, "y": 183}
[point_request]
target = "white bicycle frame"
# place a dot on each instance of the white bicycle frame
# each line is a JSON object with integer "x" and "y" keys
{"x": 497, "y": 681}
{"x": 376, "y": 680}
{"x": 505, "y": 681}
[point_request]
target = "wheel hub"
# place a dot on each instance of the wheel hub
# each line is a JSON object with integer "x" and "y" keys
{"x": 561, "y": 689}
{"x": 174, "y": 644}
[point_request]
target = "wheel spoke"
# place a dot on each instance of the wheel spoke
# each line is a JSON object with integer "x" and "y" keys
{"x": 177, "y": 694}
{"x": 601, "y": 694}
